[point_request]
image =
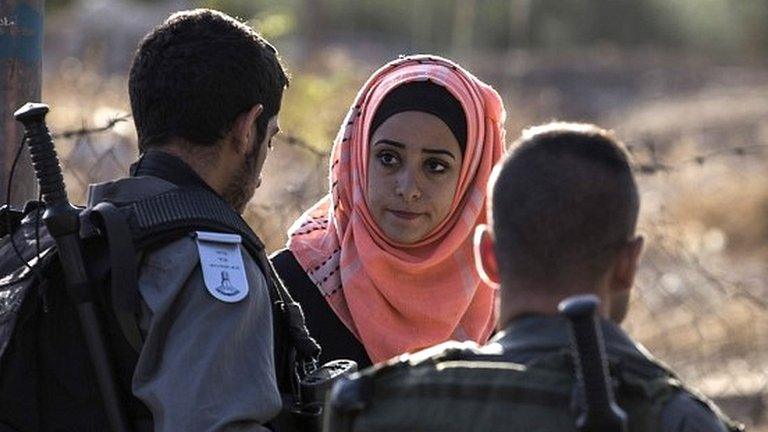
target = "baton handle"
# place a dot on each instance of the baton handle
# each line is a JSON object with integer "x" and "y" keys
{"x": 42, "y": 152}
{"x": 601, "y": 412}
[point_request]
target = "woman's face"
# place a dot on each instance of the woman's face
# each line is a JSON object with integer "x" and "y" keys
{"x": 413, "y": 169}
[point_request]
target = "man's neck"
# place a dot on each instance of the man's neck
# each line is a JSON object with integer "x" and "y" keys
{"x": 522, "y": 306}
{"x": 542, "y": 300}
{"x": 203, "y": 161}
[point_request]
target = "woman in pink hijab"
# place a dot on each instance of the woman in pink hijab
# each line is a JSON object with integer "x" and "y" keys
{"x": 383, "y": 264}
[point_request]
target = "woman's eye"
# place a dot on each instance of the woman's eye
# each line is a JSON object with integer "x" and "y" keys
{"x": 388, "y": 159}
{"x": 436, "y": 166}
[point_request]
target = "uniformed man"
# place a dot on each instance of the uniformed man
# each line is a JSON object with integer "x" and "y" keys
{"x": 205, "y": 91}
{"x": 564, "y": 208}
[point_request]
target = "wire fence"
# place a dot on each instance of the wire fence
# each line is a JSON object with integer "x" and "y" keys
{"x": 696, "y": 307}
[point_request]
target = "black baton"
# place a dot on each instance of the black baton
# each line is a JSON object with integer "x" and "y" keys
{"x": 62, "y": 220}
{"x": 601, "y": 413}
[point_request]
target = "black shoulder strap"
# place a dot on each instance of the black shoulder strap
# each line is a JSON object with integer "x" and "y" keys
{"x": 186, "y": 209}
{"x": 123, "y": 266}
{"x": 335, "y": 338}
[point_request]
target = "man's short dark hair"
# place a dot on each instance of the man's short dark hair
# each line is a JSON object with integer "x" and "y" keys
{"x": 195, "y": 73}
{"x": 563, "y": 203}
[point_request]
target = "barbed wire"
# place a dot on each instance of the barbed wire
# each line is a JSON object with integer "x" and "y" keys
{"x": 656, "y": 165}
{"x": 295, "y": 141}
{"x": 83, "y": 131}
{"x": 288, "y": 139}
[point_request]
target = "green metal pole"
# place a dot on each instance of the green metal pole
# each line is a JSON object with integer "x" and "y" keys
{"x": 21, "y": 55}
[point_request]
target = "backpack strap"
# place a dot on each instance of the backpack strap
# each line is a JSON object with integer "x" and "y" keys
{"x": 186, "y": 209}
{"x": 123, "y": 265}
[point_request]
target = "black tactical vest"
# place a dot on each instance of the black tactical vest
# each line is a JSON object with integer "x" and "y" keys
{"x": 457, "y": 387}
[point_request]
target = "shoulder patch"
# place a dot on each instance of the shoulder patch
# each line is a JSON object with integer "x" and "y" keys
{"x": 222, "y": 263}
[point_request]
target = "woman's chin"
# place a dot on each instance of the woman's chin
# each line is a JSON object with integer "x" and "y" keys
{"x": 403, "y": 236}
{"x": 407, "y": 230}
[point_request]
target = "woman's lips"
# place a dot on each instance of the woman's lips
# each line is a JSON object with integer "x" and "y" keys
{"x": 405, "y": 214}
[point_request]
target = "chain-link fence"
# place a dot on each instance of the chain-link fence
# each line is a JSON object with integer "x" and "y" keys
{"x": 697, "y": 306}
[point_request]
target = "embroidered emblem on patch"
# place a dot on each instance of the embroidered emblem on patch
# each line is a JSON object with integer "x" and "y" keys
{"x": 222, "y": 264}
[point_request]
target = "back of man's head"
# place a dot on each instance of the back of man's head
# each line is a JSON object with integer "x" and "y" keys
{"x": 564, "y": 203}
{"x": 195, "y": 73}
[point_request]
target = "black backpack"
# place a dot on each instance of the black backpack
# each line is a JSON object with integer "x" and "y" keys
{"x": 46, "y": 380}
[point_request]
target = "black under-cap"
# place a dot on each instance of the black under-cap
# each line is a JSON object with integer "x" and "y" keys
{"x": 428, "y": 97}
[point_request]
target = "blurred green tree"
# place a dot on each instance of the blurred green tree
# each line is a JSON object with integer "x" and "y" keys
{"x": 720, "y": 27}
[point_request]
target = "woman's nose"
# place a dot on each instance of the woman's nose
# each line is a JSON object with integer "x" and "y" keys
{"x": 407, "y": 187}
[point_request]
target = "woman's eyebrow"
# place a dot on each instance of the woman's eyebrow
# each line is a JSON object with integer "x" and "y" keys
{"x": 436, "y": 151}
{"x": 390, "y": 142}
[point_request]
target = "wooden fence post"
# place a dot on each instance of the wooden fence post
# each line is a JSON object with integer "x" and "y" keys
{"x": 21, "y": 54}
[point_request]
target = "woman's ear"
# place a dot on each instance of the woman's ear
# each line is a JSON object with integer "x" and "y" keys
{"x": 244, "y": 129}
{"x": 485, "y": 256}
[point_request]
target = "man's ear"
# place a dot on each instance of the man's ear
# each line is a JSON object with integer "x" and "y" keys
{"x": 244, "y": 129}
{"x": 485, "y": 256}
{"x": 625, "y": 268}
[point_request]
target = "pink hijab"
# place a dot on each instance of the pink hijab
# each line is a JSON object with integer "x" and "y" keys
{"x": 399, "y": 298}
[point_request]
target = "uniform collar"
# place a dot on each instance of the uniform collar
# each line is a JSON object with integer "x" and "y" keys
{"x": 157, "y": 163}
{"x": 533, "y": 334}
